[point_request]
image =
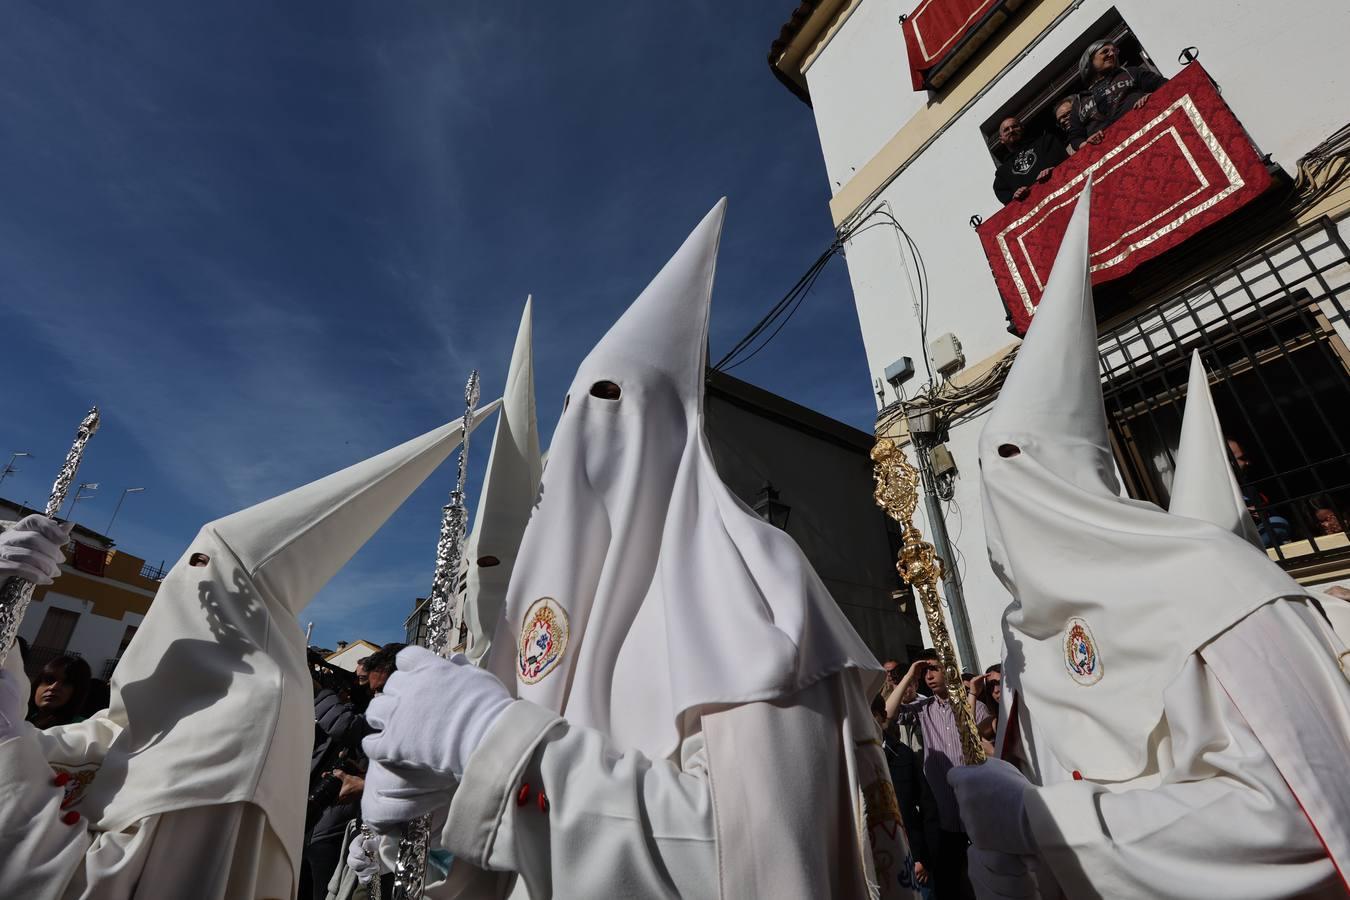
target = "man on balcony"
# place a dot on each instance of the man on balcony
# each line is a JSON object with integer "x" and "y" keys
{"x": 1112, "y": 91}
{"x": 1025, "y": 162}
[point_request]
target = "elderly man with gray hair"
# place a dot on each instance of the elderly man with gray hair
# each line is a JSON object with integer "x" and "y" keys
{"x": 1112, "y": 90}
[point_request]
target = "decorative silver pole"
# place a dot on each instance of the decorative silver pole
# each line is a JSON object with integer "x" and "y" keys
{"x": 444, "y": 605}
{"x": 17, "y": 593}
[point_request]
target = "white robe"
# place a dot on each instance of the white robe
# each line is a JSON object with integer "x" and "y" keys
{"x": 742, "y": 812}
{"x": 1215, "y": 817}
{"x": 226, "y": 852}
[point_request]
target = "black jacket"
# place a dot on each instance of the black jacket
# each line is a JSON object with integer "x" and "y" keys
{"x": 1024, "y": 162}
{"x": 1108, "y": 99}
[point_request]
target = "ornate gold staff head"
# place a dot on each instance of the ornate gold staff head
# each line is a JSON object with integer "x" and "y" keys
{"x": 897, "y": 493}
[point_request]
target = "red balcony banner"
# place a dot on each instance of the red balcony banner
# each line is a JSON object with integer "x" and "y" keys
{"x": 941, "y": 34}
{"x": 1163, "y": 173}
{"x": 89, "y": 559}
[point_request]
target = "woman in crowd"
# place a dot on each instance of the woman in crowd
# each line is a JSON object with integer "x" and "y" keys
{"x": 59, "y": 691}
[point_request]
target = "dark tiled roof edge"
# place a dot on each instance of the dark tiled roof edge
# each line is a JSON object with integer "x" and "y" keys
{"x": 791, "y": 28}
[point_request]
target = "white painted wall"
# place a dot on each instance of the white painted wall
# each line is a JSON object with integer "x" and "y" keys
{"x": 95, "y": 637}
{"x": 350, "y": 655}
{"x": 860, "y": 87}
{"x": 1281, "y": 69}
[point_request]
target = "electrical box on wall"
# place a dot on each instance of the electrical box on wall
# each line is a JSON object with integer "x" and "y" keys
{"x": 942, "y": 461}
{"x": 945, "y": 352}
{"x": 900, "y": 371}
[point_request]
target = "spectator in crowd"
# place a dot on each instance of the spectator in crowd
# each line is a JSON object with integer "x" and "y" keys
{"x": 1326, "y": 521}
{"x": 1112, "y": 91}
{"x": 1026, "y": 160}
{"x": 942, "y": 752}
{"x": 380, "y": 665}
{"x": 59, "y": 691}
{"x": 918, "y": 808}
{"x": 988, "y": 695}
{"x": 893, "y": 673}
{"x": 1066, "y": 111}
{"x": 336, "y": 782}
{"x": 1273, "y": 529}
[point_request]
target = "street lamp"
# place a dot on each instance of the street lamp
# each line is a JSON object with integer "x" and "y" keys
{"x": 9, "y": 469}
{"x": 80, "y": 494}
{"x": 118, "y": 507}
{"x": 770, "y": 509}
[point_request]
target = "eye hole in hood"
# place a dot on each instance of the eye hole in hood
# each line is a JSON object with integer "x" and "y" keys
{"x": 198, "y": 559}
{"x": 606, "y": 390}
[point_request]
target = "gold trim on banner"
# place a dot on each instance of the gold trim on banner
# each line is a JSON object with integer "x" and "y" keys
{"x": 1108, "y": 164}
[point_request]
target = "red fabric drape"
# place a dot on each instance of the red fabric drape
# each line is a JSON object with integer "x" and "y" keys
{"x": 1163, "y": 173}
{"x": 934, "y": 29}
{"x": 89, "y": 559}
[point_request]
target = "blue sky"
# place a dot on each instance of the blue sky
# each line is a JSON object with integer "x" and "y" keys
{"x": 271, "y": 239}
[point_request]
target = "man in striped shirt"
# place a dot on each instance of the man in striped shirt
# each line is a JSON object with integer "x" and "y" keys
{"x": 942, "y": 751}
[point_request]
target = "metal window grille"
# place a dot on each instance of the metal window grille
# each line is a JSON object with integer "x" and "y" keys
{"x": 1272, "y": 331}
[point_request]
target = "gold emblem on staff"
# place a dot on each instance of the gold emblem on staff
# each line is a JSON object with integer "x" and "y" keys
{"x": 898, "y": 494}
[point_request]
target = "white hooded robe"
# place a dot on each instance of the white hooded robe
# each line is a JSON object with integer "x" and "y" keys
{"x": 192, "y": 783}
{"x": 1169, "y": 684}
{"x": 697, "y": 711}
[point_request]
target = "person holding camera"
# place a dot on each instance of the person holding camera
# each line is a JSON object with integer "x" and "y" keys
{"x": 933, "y": 714}
{"x": 337, "y": 771}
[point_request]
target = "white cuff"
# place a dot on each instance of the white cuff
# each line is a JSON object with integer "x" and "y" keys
{"x": 490, "y": 779}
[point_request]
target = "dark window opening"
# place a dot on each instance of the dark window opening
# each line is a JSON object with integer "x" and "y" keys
{"x": 1280, "y": 376}
{"x": 1035, "y": 103}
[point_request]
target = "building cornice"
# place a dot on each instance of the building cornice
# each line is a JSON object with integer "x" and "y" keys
{"x": 789, "y": 53}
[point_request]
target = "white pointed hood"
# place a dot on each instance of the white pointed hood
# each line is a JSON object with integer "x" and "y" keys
{"x": 1204, "y": 486}
{"x": 212, "y": 702}
{"x": 510, "y": 488}
{"x": 645, "y": 590}
{"x": 1110, "y": 595}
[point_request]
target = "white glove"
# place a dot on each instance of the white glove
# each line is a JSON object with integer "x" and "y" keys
{"x": 993, "y": 806}
{"x": 999, "y": 876}
{"x": 395, "y": 795}
{"x": 13, "y": 695}
{"x": 433, "y": 713}
{"x": 363, "y": 856}
{"x": 33, "y": 549}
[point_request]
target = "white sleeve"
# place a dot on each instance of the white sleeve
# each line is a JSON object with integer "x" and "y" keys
{"x": 41, "y": 854}
{"x": 612, "y": 824}
{"x": 1220, "y": 821}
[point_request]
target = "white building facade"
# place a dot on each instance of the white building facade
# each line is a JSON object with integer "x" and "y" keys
{"x": 93, "y": 609}
{"x": 1262, "y": 291}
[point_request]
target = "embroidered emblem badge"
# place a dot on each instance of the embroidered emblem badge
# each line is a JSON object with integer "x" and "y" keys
{"x": 75, "y": 782}
{"x": 543, "y": 639}
{"x": 1081, "y": 656}
{"x": 891, "y": 859}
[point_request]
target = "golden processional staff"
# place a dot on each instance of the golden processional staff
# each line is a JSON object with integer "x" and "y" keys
{"x": 919, "y": 565}
{"x": 17, "y": 593}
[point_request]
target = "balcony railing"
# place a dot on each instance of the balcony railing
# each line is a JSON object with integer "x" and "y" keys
{"x": 1163, "y": 173}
